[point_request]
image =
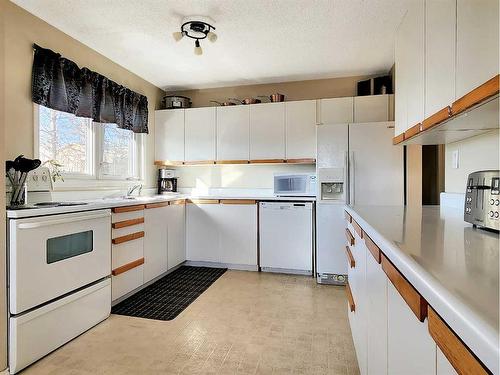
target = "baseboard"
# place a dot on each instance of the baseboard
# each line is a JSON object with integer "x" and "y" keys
{"x": 287, "y": 271}
{"x": 231, "y": 266}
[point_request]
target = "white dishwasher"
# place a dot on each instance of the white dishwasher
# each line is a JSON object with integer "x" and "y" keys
{"x": 286, "y": 237}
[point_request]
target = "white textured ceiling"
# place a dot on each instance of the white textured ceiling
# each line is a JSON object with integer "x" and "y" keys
{"x": 260, "y": 41}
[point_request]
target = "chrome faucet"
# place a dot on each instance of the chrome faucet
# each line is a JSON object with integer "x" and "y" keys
{"x": 131, "y": 190}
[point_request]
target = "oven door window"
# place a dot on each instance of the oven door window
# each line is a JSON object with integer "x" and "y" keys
{"x": 71, "y": 245}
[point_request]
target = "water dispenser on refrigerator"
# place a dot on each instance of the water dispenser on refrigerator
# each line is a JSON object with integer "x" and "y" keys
{"x": 332, "y": 185}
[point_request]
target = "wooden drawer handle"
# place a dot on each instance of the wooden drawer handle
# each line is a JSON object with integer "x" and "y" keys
{"x": 127, "y": 223}
{"x": 436, "y": 118}
{"x": 460, "y": 357}
{"x": 414, "y": 130}
{"x": 413, "y": 299}
{"x": 178, "y": 201}
{"x": 118, "y": 210}
{"x": 232, "y": 161}
{"x": 350, "y": 237}
{"x": 347, "y": 216}
{"x": 127, "y": 267}
{"x": 128, "y": 237}
{"x": 476, "y": 96}
{"x": 157, "y": 205}
{"x": 203, "y": 201}
{"x": 350, "y": 258}
{"x": 398, "y": 139}
{"x": 348, "y": 291}
{"x": 301, "y": 161}
{"x": 357, "y": 228}
{"x": 374, "y": 249}
{"x": 267, "y": 161}
{"x": 237, "y": 201}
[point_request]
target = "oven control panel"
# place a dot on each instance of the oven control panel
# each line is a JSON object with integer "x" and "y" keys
{"x": 482, "y": 199}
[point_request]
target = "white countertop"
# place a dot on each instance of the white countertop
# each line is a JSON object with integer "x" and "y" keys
{"x": 96, "y": 204}
{"x": 454, "y": 266}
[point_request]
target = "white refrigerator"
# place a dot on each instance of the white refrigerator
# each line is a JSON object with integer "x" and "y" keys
{"x": 357, "y": 164}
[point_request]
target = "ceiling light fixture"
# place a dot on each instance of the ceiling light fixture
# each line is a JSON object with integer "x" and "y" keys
{"x": 197, "y": 29}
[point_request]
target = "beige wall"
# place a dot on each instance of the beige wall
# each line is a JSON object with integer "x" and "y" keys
{"x": 22, "y": 29}
{"x": 475, "y": 154}
{"x": 3, "y": 287}
{"x": 298, "y": 90}
{"x": 414, "y": 175}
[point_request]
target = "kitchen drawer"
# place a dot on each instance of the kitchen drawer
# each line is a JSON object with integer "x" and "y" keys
{"x": 115, "y": 233}
{"x": 126, "y": 282}
{"x": 127, "y": 213}
{"x": 126, "y": 252}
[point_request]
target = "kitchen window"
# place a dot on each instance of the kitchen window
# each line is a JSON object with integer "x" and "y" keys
{"x": 86, "y": 149}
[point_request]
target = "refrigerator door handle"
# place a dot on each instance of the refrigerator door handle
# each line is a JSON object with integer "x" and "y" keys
{"x": 352, "y": 179}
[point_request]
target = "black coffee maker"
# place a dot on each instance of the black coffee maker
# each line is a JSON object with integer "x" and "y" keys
{"x": 167, "y": 181}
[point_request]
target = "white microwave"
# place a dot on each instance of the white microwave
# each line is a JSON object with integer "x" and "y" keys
{"x": 295, "y": 185}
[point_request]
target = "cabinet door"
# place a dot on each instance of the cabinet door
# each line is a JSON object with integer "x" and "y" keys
{"x": 401, "y": 81}
{"x": 237, "y": 224}
{"x": 413, "y": 30}
{"x": 200, "y": 134}
{"x": 267, "y": 131}
{"x": 376, "y": 300}
{"x": 336, "y": 110}
{"x": 169, "y": 135}
{"x": 443, "y": 366}
{"x": 440, "y": 42}
{"x": 233, "y": 133}
{"x": 410, "y": 348}
{"x": 155, "y": 242}
{"x": 301, "y": 129}
{"x": 176, "y": 234}
{"x": 477, "y": 43}
{"x": 202, "y": 235}
{"x": 371, "y": 108}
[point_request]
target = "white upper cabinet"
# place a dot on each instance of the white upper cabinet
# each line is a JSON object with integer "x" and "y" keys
{"x": 233, "y": 133}
{"x": 301, "y": 129}
{"x": 267, "y": 131}
{"x": 477, "y": 43}
{"x": 413, "y": 29}
{"x": 371, "y": 108}
{"x": 335, "y": 110}
{"x": 169, "y": 135}
{"x": 200, "y": 134}
{"x": 440, "y": 43}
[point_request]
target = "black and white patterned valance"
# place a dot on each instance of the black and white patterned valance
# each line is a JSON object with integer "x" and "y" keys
{"x": 59, "y": 83}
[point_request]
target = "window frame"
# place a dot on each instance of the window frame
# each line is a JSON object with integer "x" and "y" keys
{"x": 95, "y": 152}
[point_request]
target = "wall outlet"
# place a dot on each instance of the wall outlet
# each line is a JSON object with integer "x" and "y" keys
{"x": 454, "y": 159}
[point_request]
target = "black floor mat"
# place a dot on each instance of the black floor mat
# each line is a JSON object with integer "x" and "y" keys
{"x": 169, "y": 296}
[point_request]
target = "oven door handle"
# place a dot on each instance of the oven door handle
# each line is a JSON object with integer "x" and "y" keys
{"x": 47, "y": 223}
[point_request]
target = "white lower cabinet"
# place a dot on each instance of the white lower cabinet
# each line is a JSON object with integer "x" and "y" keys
{"x": 155, "y": 242}
{"x": 176, "y": 234}
{"x": 410, "y": 348}
{"x": 222, "y": 233}
{"x": 443, "y": 366}
{"x": 376, "y": 301}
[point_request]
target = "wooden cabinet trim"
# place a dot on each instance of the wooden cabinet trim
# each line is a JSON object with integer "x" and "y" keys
{"x": 127, "y": 223}
{"x": 476, "y": 96}
{"x": 357, "y": 228}
{"x": 398, "y": 139}
{"x": 178, "y": 201}
{"x": 199, "y": 162}
{"x": 203, "y": 201}
{"x": 301, "y": 161}
{"x": 127, "y": 267}
{"x": 436, "y": 118}
{"x": 350, "y": 298}
{"x": 350, "y": 258}
{"x": 232, "y": 161}
{"x": 267, "y": 161}
{"x": 349, "y": 236}
{"x": 119, "y": 210}
{"x": 128, "y": 237}
{"x": 238, "y": 201}
{"x": 457, "y": 353}
{"x": 374, "y": 249}
{"x": 347, "y": 216}
{"x": 157, "y": 205}
{"x": 168, "y": 162}
{"x": 413, "y": 299}
{"x": 414, "y": 130}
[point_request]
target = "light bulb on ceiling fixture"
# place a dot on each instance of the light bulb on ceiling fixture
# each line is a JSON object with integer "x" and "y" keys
{"x": 212, "y": 36}
{"x": 178, "y": 35}
{"x": 197, "y": 49}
